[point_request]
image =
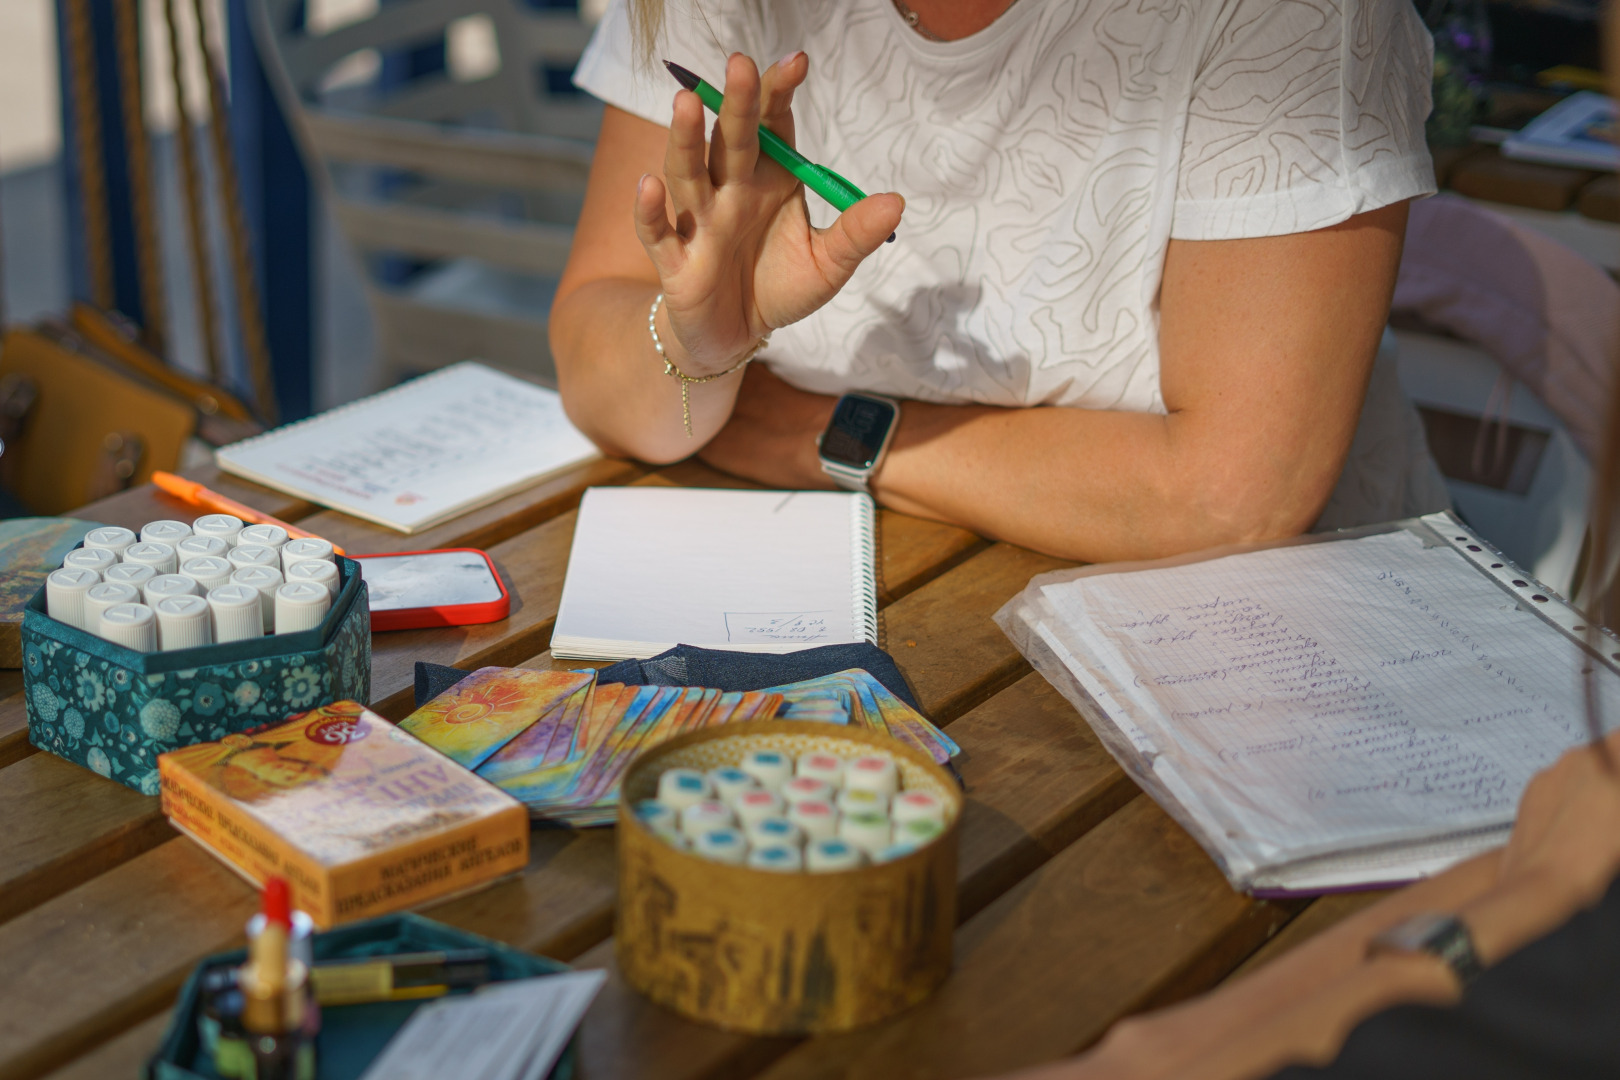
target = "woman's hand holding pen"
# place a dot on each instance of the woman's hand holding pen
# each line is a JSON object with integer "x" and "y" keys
{"x": 740, "y": 257}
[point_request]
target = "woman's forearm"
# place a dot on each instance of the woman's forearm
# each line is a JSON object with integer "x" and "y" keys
{"x": 1087, "y": 484}
{"x": 612, "y": 379}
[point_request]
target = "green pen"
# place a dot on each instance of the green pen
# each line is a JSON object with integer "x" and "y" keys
{"x": 818, "y": 178}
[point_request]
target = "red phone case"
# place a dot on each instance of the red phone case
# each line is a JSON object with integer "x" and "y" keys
{"x": 443, "y": 615}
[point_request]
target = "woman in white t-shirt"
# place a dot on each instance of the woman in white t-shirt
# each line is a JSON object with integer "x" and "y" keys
{"x": 1142, "y": 264}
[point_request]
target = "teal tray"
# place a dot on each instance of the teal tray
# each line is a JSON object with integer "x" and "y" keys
{"x": 351, "y": 1035}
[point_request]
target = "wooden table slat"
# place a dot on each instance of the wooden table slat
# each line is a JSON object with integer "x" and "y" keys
{"x": 121, "y": 1058}
{"x": 65, "y": 826}
{"x": 109, "y": 954}
{"x": 943, "y": 630}
{"x": 14, "y": 745}
{"x": 1131, "y": 915}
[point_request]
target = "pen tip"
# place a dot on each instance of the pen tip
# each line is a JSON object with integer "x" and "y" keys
{"x": 682, "y": 76}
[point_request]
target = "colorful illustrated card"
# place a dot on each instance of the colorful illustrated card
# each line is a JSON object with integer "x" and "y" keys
{"x": 561, "y": 742}
{"x": 488, "y": 709}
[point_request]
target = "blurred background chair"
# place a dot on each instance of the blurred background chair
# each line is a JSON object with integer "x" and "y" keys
{"x": 1508, "y": 341}
{"x": 453, "y": 152}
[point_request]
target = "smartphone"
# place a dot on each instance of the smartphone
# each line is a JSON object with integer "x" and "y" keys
{"x": 449, "y": 587}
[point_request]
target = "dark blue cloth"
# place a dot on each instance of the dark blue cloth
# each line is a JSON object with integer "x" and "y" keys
{"x": 688, "y": 665}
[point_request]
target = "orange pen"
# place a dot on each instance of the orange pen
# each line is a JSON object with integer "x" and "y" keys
{"x": 207, "y": 499}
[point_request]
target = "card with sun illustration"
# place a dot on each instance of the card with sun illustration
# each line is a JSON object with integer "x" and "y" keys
{"x": 488, "y": 709}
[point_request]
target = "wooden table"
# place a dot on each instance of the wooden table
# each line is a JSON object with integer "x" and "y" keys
{"x": 1081, "y": 901}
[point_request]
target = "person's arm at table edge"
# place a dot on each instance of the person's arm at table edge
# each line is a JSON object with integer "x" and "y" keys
{"x": 1266, "y": 346}
{"x": 1561, "y": 858}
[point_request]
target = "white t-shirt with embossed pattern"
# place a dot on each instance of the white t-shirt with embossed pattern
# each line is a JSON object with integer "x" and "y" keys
{"x": 1046, "y": 163}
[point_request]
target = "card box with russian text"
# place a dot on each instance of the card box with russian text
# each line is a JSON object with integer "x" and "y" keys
{"x": 360, "y": 817}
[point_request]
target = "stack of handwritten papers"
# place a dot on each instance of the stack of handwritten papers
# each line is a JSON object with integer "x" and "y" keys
{"x": 1335, "y": 714}
{"x": 559, "y": 741}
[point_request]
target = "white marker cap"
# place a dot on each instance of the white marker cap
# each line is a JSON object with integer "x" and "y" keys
{"x": 752, "y": 807}
{"x": 64, "y": 594}
{"x": 821, "y": 766}
{"x": 208, "y": 571}
{"x": 728, "y": 782}
{"x": 680, "y": 788}
{"x": 266, "y": 579}
{"x": 254, "y": 555}
{"x": 184, "y": 622}
{"x": 160, "y": 557}
{"x": 165, "y": 532}
{"x": 222, "y": 527}
{"x": 105, "y": 595}
{"x": 868, "y": 831}
{"x": 300, "y": 606}
{"x": 97, "y": 559}
{"x": 195, "y": 547}
{"x": 166, "y": 585}
{"x": 873, "y": 772}
{"x": 801, "y": 788}
{"x": 721, "y": 845}
{"x": 857, "y": 801}
{"x": 294, "y": 552}
{"x": 659, "y": 818}
{"x": 771, "y": 768}
{"x": 270, "y": 536}
{"x": 130, "y": 574}
{"x": 134, "y": 626}
{"x": 237, "y": 611}
{"x": 700, "y": 818}
{"x": 917, "y": 833}
{"x": 818, "y": 819}
{"x": 782, "y": 858}
{"x": 919, "y": 806}
{"x": 113, "y": 538}
{"x": 825, "y": 856}
{"x": 774, "y": 831}
{"x": 315, "y": 571}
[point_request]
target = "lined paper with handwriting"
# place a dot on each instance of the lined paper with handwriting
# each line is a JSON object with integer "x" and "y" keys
{"x": 1303, "y": 700}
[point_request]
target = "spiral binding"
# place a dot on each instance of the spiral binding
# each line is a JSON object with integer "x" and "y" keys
{"x": 863, "y": 538}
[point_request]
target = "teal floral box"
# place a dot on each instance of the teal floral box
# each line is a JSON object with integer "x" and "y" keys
{"x": 114, "y": 710}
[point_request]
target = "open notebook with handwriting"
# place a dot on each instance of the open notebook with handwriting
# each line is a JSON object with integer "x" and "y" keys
{"x": 1340, "y": 711}
{"x": 751, "y": 571}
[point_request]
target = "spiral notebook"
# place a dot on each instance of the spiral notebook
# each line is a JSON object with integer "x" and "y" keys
{"x": 1343, "y": 711}
{"x": 421, "y": 453}
{"x": 752, "y": 571}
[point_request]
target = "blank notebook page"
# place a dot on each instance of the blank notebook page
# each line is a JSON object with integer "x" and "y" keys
{"x": 755, "y": 571}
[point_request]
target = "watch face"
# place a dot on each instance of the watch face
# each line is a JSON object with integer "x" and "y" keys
{"x": 855, "y": 435}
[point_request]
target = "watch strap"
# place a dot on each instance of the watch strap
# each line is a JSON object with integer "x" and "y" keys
{"x": 1443, "y": 936}
{"x": 848, "y": 477}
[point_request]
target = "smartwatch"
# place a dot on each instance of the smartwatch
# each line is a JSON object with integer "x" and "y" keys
{"x": 856, "y": 439}
{"x": 1442, "y": 936}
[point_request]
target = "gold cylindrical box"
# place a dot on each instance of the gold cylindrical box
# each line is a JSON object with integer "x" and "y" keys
{"x": 783, "y": 953}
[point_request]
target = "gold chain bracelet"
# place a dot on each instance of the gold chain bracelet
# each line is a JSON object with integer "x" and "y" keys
{"x": 688, "y": 380}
